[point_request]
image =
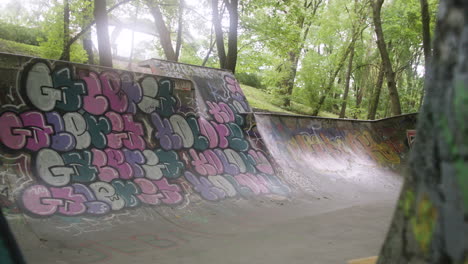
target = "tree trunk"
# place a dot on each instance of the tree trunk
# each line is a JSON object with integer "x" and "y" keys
{"x": 289, "y": 81}
{"x": 426, "y": 32}
{"x": 231, "y": 58}
{"x": 86, "y": 29}
{"x": 389, "y": 73}
{"x": 347, "y": 81}
{"x": 163, "y": 32}
{"x": 66, "y": 31}
{"x": 219, "y": 37}
{"x": 376, "y": 95}
{"x": 88, "y": 47}
{"x": 87, "y": 40}
{"x": 430, "y": 224}
{"x": 331, "y": 81}
{"x": 102, "y": 30}
{"x": 295, "y": 54}
{"x": 179, "y": 29}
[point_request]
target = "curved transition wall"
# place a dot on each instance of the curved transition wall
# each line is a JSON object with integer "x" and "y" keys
{"x": 85, "y": 148}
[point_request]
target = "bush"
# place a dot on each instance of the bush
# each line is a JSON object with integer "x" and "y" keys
{"x": 20, "y": 34}
{"x": 250, "y": 79}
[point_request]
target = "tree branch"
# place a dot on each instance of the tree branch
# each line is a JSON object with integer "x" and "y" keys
{"x": 88, "y": 27}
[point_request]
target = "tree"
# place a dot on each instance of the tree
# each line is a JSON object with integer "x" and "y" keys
{"x": 87, "y": 41}
{"x": 389, "y": 73}
{"x": 86, "y": 28}
{"x": 227, "y": 60}
{"x": 374, "y": 101}
{"x": 430, "y": 224}
{"x": 66, "y": 31}
{"x": 102, "y": 30}
{"x": 426, "y": 32}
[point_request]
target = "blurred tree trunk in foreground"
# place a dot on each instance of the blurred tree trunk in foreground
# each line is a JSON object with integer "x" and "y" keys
{"x": 430, "y": 224}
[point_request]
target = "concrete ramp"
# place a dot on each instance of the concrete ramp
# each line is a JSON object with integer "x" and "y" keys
{"x": 101, "y": 165}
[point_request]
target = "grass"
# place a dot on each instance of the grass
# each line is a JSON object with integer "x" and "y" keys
{"x": 19, "y": 48}
{"x": 260, "y": 99}
{"x": 257, "y": 98}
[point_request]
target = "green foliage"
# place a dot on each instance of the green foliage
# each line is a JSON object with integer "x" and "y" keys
{"x": 20, "y": 34}
{"x": 52, "y": 45}
{"x": 19, "y": 48}
{"x": 250, "y": 79}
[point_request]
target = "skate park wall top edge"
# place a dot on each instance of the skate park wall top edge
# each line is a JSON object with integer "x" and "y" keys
{"x": 81, "y": 140}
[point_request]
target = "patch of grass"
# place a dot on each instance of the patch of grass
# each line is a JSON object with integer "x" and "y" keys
{"x": 19, "y": 48}
{"x": 262, "y": 100}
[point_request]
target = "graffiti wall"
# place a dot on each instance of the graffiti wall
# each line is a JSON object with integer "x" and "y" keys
{"x": 211, "y": 84}
{"x": 79, "y": 140}
{"x": 319, "y": 146}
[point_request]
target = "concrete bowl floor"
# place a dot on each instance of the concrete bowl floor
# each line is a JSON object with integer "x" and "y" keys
{"x": 302, "y": 230}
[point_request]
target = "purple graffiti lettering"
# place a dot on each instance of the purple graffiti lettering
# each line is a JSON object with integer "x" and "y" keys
{"x": 223, "y": 133}
{"x": 223, "y": 184}
{"x": 133, "y": 91}
{"x": 110, "y": 82}
{"x": 37, "y": 199}
{"x": 116, "y": 159}
{"x": 135, "y": 159}
{"x": 72, "y": 203}
{"x": 61, "y": 140}
{"x": 262, "y": 163}
{"x": 205, "y": 163}
{"x": 93, "y": 206}
{"x": 95, "y": 102}
{"x": 203, "y": 186}
{"x": 229, "y": 168}
{"x": 256, "y": 184}
{"x": 165, "y": 134}
{"x": 233, "y": 85}
{"x": 135, "y": 134}
{"x": 221, "y": 112}
{"x": 40, "y": 131}
{"x": 106, "y": 173}
{"x": 12, "y": 134}
{"x": 172, "y": 193}
{"x": 149, "y": 192}
{"x": 207, "y": 130}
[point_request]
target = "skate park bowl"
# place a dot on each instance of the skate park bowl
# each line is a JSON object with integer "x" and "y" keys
{"x": 99, "y": 165}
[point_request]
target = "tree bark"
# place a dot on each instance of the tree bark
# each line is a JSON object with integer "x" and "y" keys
{"x": 66, "y": 31}
{"x": 347, "y": 81}
{"x": 231, "y": 57}
{"x": 389, "y": 73}
{"x": 376, "y": 95}
{"x": 163, "y": 32}
{"x": 219, "y": 37}
{"x": 179, "y": 29}
{"x": 430, "y": 224}
{"x": 102, "y": 30}
{"x": 87, "y": 41}
{"x": 426, "y": 32}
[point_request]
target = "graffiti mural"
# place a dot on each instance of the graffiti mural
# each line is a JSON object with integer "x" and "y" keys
{"x": 212, "y": 85}
{"x": 105, "y": 141}
{"x": 332, "y": 145}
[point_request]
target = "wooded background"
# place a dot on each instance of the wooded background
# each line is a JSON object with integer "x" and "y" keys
{"x": 362, "y": 59}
